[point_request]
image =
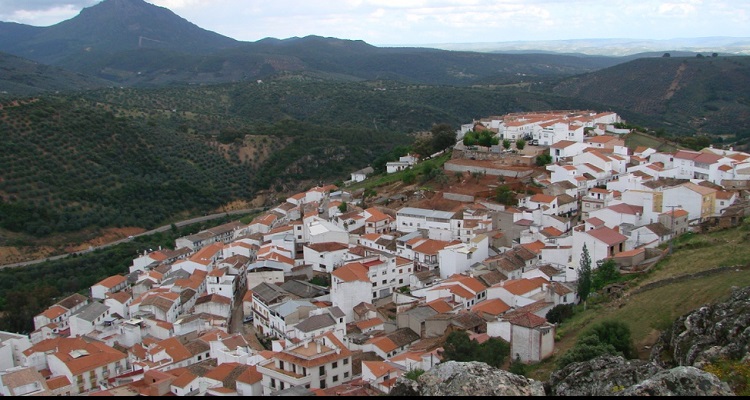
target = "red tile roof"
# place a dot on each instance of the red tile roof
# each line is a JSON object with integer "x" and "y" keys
{"x": 493, "y": 307}
{"x": 352, "y": 272}
{"x": 112, "y": 281}
{"x": 607, "y": 235}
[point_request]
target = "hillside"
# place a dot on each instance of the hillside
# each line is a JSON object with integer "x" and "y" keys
{"x": 135, "y": 43}
{"x": 21, "y": 77}
{"x": 682, "y": 95}
{"x": 109, "y": 27}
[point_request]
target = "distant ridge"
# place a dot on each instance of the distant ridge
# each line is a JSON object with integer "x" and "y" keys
{"x": 610, "y": 47}
{"x": 109, "y": 27}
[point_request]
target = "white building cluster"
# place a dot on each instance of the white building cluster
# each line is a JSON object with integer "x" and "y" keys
{"x": 323, "y": 280}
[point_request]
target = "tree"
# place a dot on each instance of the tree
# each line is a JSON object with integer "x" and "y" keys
{"x": 666, "y": 55}
{"x": 506, "y": 144}
{"x": 520, "y": 144}
{"x": 458, "y": 347}
{"x": 517, "y": 366}
{"x": 494, "y": 352}
{"x": 617, "y": 334}
{"x": 408, "y": 177}
{"x": 606, "y": 272}
{"x": 543, "y": 159}
{"x": 583, "y": 288}
{"x": 443, "y": 136}
{"x": 559, "y": 313}
{"x": 504, "y": 195}
{"x": 586, "y": 348}
{"x": 342, "y": 207}
{"x": 421, "y": 146}
{"x": 413, "y": 374}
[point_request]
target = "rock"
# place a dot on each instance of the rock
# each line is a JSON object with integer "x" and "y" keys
{"x": 679, "y": 381}
{"x": 712, "y": 331}
{"x": 405, "y": 387}
{"x": 602, "y": 376}
{"x": 469, "y": 379}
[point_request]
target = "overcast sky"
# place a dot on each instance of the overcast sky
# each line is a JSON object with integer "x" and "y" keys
{"x": 416, "y": 22}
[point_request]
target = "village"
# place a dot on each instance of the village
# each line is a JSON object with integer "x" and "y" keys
{"x": 332, "y": 292}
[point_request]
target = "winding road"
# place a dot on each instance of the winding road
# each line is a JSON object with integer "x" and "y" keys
{"x": 124, "y": 240}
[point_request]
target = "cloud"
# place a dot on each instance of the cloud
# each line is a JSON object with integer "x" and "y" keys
{"x": 41, "y": 12}
{"x": 432, "y": 21}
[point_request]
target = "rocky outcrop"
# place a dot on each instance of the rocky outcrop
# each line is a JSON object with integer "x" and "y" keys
{"x": 616, "y": 376}
{"x": 680, "y": 381}
{"x": 717, "y": 330}
{"x": 468, "y": 379}
{"x": 602, "y": 376}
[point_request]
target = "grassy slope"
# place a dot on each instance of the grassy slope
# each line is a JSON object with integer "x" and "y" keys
{"x": 649, "y": 312}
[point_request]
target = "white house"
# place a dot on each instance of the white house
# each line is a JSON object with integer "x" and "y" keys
{"x": 318, "y": 230}
{"x": 350, "y": 286}
{"x": 566, "y": 149}
{"x": 698, "y": 201}
{"x": 89, "y": 318}
{"x": 458, "y": 258}
{"x": 410, "y": 219}
{"x": 12, "y": 346}
{"x": 360, "y": 175}
{"x": 214, "y": 304}
{"x": 601, "y": 242}
{"x": 326, "y": 256}
{"x": 320, "y": 363}
{"x": 85, "y": 364}
{"x": 111, "y": 284}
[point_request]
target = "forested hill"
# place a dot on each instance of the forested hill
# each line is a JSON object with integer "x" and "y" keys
{"x": 129, "y": 157}
{"x": 134, "y": 43}
{"x": 22, "y": 77}
{"x": 684, "y": 95}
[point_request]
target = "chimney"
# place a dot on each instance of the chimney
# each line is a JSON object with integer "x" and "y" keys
{"x": 307, "y": 344}
{"x": 319, "y": 349}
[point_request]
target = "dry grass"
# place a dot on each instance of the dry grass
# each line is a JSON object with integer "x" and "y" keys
{"x": 649, "y": 312}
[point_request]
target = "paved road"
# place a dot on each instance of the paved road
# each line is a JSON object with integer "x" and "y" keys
{"x": 151, "y": 232}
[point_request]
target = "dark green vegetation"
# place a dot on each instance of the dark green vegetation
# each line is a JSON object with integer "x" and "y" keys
{"x": 458, "y": 347}
{"x": 24, "y": 78}
{"x": 129, "y": 157}
{"x": 604, "y": 338}
{"x": 132, "y": 42}
{"x": 683, "y": 95}
{"x": 27, "y": 291}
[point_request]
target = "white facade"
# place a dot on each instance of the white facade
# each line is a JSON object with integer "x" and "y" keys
{"x": 318, "y": 230}
{"x": 350, "y": 286}
{"x": 409, "y": 219}
{"x": 12, "y": 346}
{"x": 458, "y": 258}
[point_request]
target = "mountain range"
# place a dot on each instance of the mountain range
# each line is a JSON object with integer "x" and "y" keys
{"x": 131, "y": 42}
{"x": 128, "y": 98}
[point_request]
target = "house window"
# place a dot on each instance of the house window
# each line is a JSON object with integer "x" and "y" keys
{"x": 346, "y": 361}
{"x": 374, "y": 284}
{"x": 335, "y": 378}
{"x": 385, "y": 281}
{"x": 335, "y": 364}
{"x": 322, "y": 383}
{"x": 322, "y": 370}
{"x": 281, "y": 365}
{"x": 346, "y": 375}
{"x": 273, "y": 383}
{"x": 281, "y": 385}
{"x": 374, "y": 295}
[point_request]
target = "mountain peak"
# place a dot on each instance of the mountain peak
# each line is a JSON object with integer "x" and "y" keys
{"x": 123, "y": 25}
